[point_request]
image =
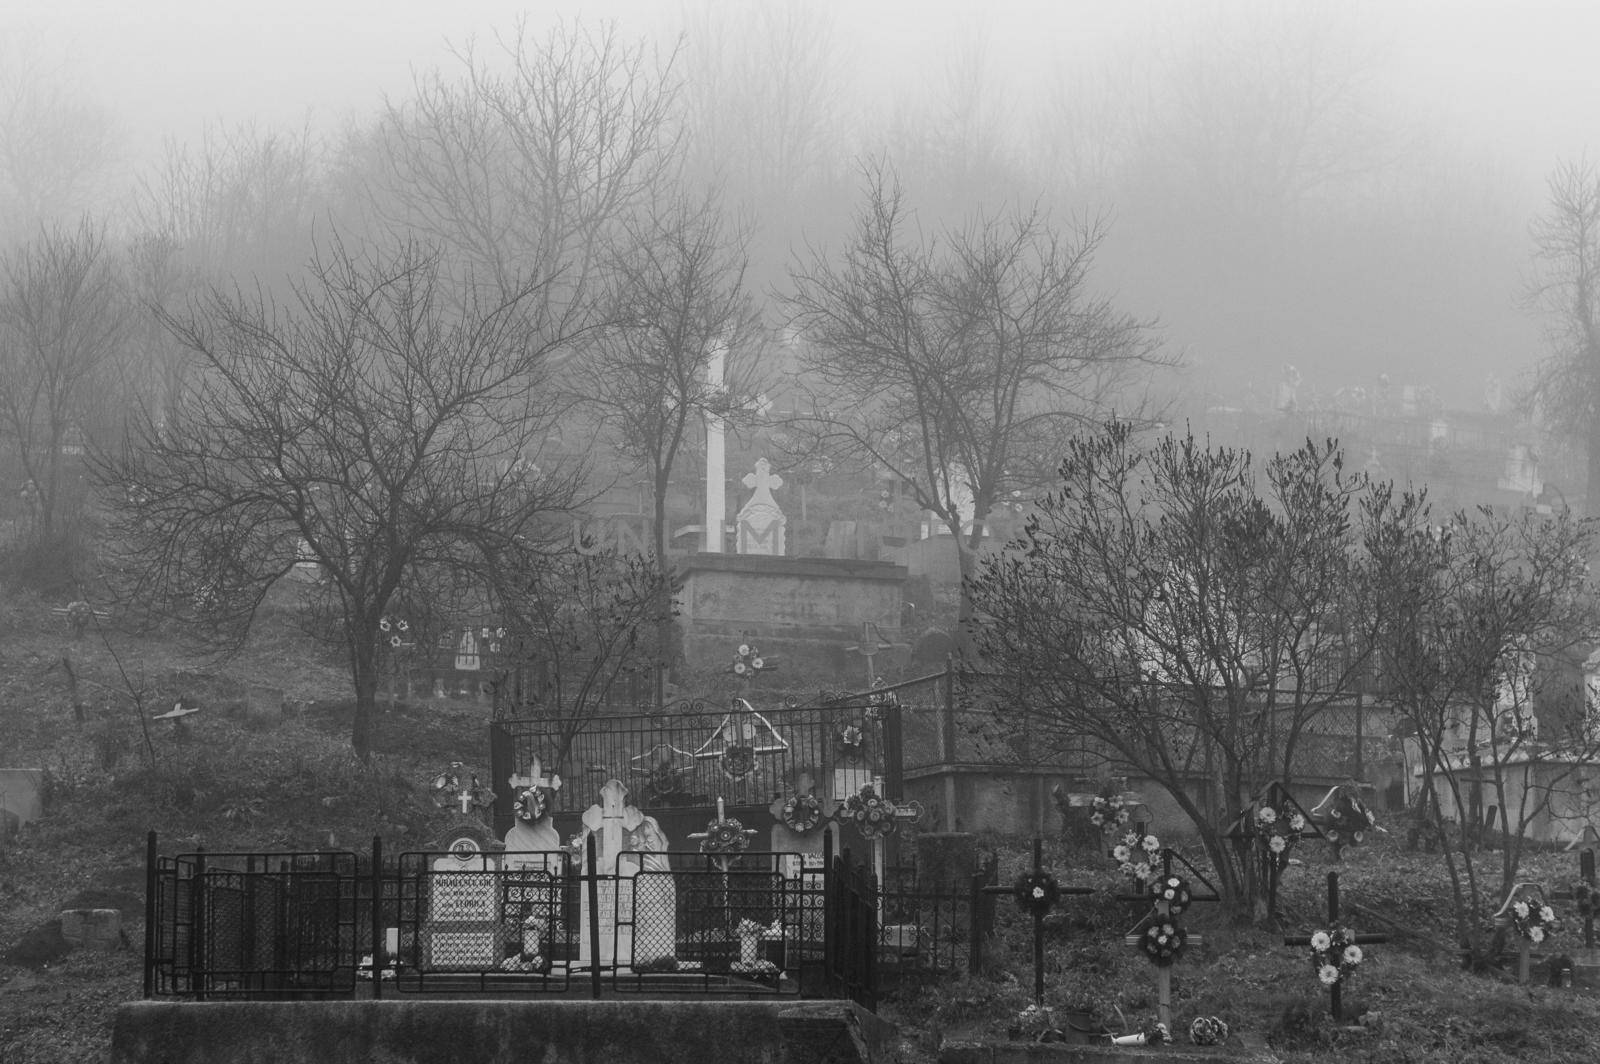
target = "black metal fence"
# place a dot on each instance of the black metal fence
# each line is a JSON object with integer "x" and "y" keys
{"x": 324, "y": 925}
{"x": 693, "y": 753}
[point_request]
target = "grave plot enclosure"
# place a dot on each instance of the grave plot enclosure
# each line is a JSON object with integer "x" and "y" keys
{"x": 693, "y": 753}
{"x": 225, "y": 926}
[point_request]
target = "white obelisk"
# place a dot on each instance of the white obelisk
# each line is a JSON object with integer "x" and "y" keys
{"x": 716, "y": 460}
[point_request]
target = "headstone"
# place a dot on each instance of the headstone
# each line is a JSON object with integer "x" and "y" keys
{"x": 637, "y": 900}
{"x": 92, "y": 928}
{"x": 21, "y": 797}
{"x": 761, "y": 523}
{"x": 462, "y": 930}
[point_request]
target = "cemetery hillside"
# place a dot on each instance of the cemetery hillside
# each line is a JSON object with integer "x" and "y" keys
{"x": 616, "y": 555}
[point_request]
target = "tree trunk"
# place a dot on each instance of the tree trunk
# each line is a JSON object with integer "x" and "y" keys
{"x": 366, "y": 678}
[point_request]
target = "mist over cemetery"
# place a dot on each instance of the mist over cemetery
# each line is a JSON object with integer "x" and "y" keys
{"x": 501, "y": 583}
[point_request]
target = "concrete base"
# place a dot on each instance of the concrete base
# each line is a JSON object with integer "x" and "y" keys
{"x": 92, "y": 928}
{"x": 500, "y": 1032}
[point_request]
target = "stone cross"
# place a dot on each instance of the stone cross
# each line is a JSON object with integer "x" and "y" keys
{"x": 533, "y": 779}
{"x": 1335, "y": 1003}
{"x": 1038, "y": 918}
{"x": 763, "y": 482}
{"x": 613, "y": 801}
{"x": 760, "y": 521}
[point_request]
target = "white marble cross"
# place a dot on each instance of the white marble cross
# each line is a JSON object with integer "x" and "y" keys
{"x": 534, "y": 779}
{"x": 763, "y": 482}
{"x": 613, "y": 801}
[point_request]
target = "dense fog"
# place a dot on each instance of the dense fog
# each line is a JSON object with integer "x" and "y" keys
{"x": 1317, "y": 193}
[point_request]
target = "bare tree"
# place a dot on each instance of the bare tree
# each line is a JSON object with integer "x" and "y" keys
{"x": 588, "y": 619}
{"x": 63, "y": 314}
{"x": 54, "y": 144}
{"x": 1565, "y": 290}
{"x": 678, "y": 300}
{"x": 378, "y": 425}
{"x": 1481, "y": 620}
{"x": 242, "y": 204}
{"x": 1185, "y": 614}
{"x": 763, "y": 95}
{"x": 526, "y": 163}
{"x": 957, "y": 363}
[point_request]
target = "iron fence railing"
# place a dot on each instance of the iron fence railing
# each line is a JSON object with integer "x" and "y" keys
{"x": 322, "y": 925}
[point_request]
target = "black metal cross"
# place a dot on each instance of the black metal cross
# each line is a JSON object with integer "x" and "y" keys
{"x": 1587, "y": 880}
{"x": 1039, "y": 911}
{"x": 1335, "y": 1004}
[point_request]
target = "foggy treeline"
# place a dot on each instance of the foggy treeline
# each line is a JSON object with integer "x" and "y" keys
{"x": 1262, "y": 200}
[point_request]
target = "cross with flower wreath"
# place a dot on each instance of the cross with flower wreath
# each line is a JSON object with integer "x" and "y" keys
{"x": 1037, "y": 892}
{"x": 1527, "y": 914}
{"x": 1158, "y": 934}
{"x": 1336, "y": 951}
{"x": 1270, "y": 826}
{"x": 1584, "y": 894}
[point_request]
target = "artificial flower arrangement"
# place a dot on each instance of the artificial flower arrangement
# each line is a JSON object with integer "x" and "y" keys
{"x": 1208, "y": 1031}
{"x": 1108, "y": 812}
{"x": 1163, "y": 941}
{"x": 748, "y": 661}
{"x": 1348, "y": 821}
{"x": 532, "y": 804}
{"x": 1036, "y": 892}
{"x": 1135, "y": 855}
{"x": 1532, "y": 919}
{"x": 1036, "y": 1023}
{"x": 724, "y": 836}
{"x": 1586, "y": 899}
{"x": 872, "y": 815}
{"x": 1334, "y": 955}
{"x": 1173, "y": 891}
{"x": 801, "y": 813}
{"x": 738, "y": 761}
{"x": 1278, "y": 831}
{"x": 1154, "y": 1035}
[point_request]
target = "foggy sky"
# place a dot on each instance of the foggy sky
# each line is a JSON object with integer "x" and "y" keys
{"x": 1488, "y": 94}
{"x": 1514, "y": 75}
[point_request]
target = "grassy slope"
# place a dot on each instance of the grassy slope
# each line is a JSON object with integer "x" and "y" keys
{"x": 227, "y": 784}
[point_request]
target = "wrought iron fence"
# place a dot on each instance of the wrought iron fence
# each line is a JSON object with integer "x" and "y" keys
{"x": 267, "y": 925}
{"x": 693, "y": 753}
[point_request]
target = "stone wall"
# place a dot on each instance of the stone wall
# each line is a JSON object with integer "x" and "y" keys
{"x": 801, "y": 611}
{"x": 499, "y": 1032}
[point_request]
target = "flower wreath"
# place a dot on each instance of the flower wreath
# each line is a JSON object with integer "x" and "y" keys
{"x": 802, "y": 813}
{"x": 532, "y": 804}
{"x": 738, "y": 761}
{"x": 1036, "y": 892}
{"x": 1334, "y": 954}
{"x": 1134, "y": 854}
{"x": 748, "y": 661}
{"x": 1348, "y": 821}
{"x": 1278, "y": 832}
{"x": 1108, "y": 812}
{"x": 1173, "y": 890}
{"x": 850, "y": 740}
{"x": 724, "y": 836}
{"x": 1163, "y": 942}
{"x": 1586, "y": 898}
{"x": 872, "y": 816}
{"x": 1532, "y": 919}
{"x": 1208, "y": 1031}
